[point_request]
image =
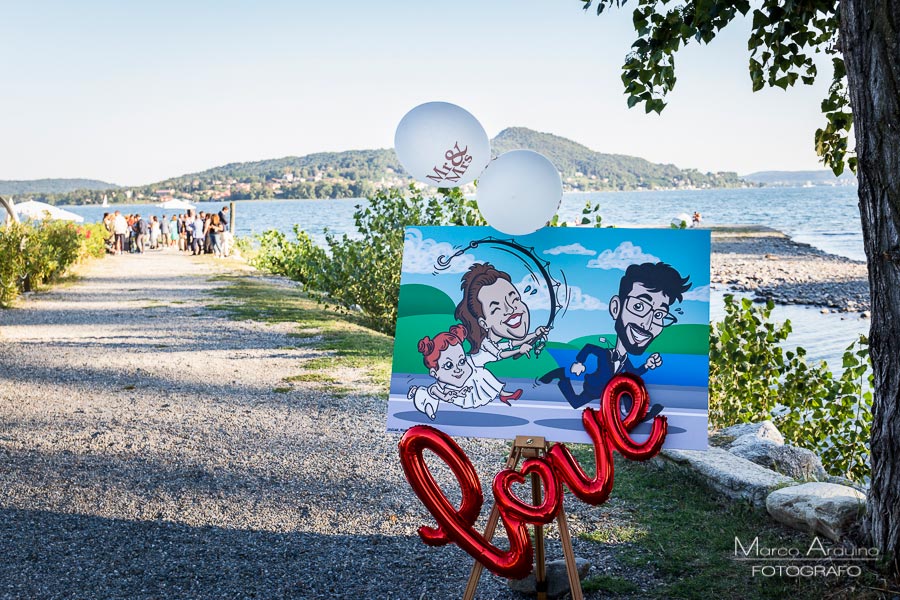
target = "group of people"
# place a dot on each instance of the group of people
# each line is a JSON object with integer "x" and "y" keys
{"x": 194, "y": 232}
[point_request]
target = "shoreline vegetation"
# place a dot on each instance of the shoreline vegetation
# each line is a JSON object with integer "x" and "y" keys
{"x": 241, "y": 436}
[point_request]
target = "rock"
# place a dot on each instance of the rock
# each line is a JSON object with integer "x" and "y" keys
{"x": 763, "y": 430}
{"x": 796, "y": 463}
{"x": 865, "y": 314}
{"x": 731, "y": 475}
{"x": 557, "y": 578}
{"x": 844, "y": 481}
{"x": 820, "y": 508}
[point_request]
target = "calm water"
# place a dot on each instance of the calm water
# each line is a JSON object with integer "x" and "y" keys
{"x": 825, "y": 217}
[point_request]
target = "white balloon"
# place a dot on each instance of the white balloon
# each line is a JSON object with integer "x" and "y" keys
{"x": 519, "y": 192}
{"x": 441, "y": 144}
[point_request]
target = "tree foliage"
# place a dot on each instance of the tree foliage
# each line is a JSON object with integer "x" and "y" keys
{"x": 752, "y": 377}
{"x": 783, "y": 39}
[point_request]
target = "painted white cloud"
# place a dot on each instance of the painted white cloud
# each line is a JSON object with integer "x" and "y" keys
{"x": 624, "y": 255}
{"x": 540, "y": 300}
{"x": 700, "y": 294}
{"x": 420, "y": 255}
{"x": 571, "y": 249}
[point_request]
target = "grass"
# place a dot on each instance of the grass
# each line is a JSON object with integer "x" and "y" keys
{"x": 609, "y": 584}
{"x": 353, "y": 350}
{"x": 667, "y": 520}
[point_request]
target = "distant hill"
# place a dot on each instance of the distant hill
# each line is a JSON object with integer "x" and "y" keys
{"x": 358, "y": 173}
{"x": 799, "y": 178}
{"x": 51, "y": 186}
{"x": 584, "y": 169}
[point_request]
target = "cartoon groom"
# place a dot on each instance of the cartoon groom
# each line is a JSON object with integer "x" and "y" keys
{"x": 641, "y": 311}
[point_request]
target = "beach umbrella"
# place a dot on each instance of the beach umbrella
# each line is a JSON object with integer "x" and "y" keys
{"x": 40, "y": 210}
{"x": 682, "y": 218}
{"x": 176, "y": 204}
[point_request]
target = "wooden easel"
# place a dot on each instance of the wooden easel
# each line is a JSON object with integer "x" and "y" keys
{"x": 532, "y": 447}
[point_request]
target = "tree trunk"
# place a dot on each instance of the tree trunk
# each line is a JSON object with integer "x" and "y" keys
{"x": 7, "y": 206}
{"x": 870, "y": 40}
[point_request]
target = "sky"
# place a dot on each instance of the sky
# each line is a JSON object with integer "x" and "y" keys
{"x": 132, "y": 93}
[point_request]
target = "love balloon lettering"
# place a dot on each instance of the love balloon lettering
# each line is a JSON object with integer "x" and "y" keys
{"x": 608, "y": 430}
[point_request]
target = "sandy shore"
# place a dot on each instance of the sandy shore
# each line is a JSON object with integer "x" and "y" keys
{"x": 767, "y": 264}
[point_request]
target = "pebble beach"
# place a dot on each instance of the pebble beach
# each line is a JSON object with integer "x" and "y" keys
{"x": 766, "y": 264}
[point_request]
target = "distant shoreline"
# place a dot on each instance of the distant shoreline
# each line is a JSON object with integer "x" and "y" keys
{"x": 768, "y": 264}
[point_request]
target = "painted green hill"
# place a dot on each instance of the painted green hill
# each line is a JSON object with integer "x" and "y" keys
{"x": 418, "y": 299}
{"x": 677, "y": 339}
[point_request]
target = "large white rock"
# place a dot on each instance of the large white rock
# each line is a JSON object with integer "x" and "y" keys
{"x": 731, "y": 475}
{"x": 821, "y": 508}
{"x": 763, "y": 430}
{"x": 795, "y": 462}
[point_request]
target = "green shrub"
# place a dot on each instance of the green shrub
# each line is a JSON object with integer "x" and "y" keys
{"x": 12, "y": 261}
{"x": 752, "y": 377}
{"x": 34, "y": 254}
{"x": 362, "y": 274}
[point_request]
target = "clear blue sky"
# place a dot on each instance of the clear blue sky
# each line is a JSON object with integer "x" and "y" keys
{"x": 134, "y": 92}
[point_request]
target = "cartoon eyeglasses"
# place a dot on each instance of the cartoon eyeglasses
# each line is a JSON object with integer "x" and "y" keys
{"x": 641, "y": 308}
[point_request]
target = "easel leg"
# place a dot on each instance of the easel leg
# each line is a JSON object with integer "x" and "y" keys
{"x": 540, "y": 570}
{"x": 569, "y": 553}
{"x": 475, "y": 575}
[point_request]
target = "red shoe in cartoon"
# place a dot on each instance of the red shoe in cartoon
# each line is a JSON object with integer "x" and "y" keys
{"x": 505, "y": 398}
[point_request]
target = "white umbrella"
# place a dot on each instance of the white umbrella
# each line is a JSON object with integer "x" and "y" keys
{"x": 681, "y": 218}
{"x": 176, "y": 204}
{"x": 40, "y": 210}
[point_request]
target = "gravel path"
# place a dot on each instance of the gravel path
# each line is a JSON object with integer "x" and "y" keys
{"x": 768, "y": 264}
{"x": 145, "y": 454}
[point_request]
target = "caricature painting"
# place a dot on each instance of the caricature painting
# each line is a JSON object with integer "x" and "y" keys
{"x": 499, "y": 336}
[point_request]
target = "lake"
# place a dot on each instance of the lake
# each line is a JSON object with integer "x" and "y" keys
{"x": 824, "y": 217}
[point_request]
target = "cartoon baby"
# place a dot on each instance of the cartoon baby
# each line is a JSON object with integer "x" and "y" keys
{"x": 457, "y": 379}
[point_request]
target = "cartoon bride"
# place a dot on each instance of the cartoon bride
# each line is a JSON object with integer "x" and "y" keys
{"x": 457, "y": 379}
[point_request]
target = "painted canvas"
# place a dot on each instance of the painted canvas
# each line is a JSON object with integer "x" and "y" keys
{"x": 499, "y": 336}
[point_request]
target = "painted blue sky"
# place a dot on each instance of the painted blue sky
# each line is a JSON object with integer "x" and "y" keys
{"x": 593, "y": 261}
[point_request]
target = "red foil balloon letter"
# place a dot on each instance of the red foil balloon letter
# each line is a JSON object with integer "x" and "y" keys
{"x": 608, "y": 431}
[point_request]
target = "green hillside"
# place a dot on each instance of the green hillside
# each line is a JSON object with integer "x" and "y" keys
{"x": 51, "y": 186}
{"x": 358, "y": 173}
{"x": 583, "y": 169}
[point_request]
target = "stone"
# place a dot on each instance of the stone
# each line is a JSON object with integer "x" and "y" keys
{"x": 557, "y": 578}
{"x": 730, "y": 475}
{"x": 764, "y": 430}
{"x": 844, "y": 481}
{"x": 821, "y": 508}
{"x": 797, "y": 463}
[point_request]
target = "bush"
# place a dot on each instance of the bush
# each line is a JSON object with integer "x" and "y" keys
{"x": 751, "y": 378}
{"x": 363, "y": 274}
{"x": 34, "y": 254}
{"x": 12, "y": 261}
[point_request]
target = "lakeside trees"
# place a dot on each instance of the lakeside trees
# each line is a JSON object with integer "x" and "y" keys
{"x": 863, "y": 39}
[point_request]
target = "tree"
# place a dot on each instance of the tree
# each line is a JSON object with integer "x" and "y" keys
{"x": 862, "y": 37}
